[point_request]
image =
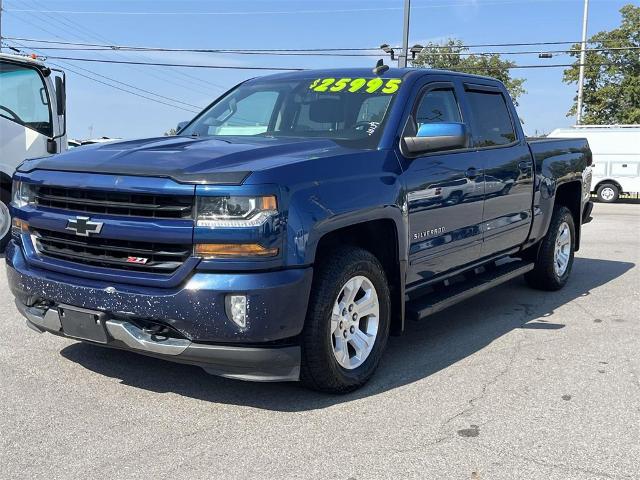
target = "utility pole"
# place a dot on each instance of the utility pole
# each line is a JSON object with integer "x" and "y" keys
{"x": 583, "y": 59}
{"x": 402, "y": 58}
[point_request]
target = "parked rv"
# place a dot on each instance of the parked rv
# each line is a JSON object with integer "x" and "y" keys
{"x": 616, "y": 157}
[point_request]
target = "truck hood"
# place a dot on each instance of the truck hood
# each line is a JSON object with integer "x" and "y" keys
{"x": 186, "y": 159}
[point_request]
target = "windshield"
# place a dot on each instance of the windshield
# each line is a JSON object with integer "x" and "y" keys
{"x": 348, "y": 110}
{"x": 24, "y": 98}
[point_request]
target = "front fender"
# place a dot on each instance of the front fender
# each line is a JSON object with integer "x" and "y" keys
{"x": 338, "y": 192}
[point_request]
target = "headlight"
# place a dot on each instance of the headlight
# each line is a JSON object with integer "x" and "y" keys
{"x": 234, "y": 211}
{"x": 23, "y": 194}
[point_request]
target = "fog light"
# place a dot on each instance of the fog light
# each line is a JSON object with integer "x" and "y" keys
{"x": 236, "y": 307}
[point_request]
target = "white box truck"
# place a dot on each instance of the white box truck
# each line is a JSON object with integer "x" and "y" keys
{"x": 32, "y": 120}
{"x": 616, "y": 157}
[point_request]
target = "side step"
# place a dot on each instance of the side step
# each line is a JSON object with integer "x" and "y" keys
{"x": 450, "y": 295}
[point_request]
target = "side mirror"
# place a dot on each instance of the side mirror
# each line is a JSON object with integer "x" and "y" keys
{"x": 181, "y": 125}
{"x": 61, "y": 96}
{"x": 433, "y": 137}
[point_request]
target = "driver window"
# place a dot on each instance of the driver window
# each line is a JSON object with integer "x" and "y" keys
{"x": 23, "y": 98}
{"x": 438, "y": 106}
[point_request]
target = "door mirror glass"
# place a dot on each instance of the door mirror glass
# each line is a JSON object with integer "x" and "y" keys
{"x": 61, "y": 96}
{"x": 434, "y": 137}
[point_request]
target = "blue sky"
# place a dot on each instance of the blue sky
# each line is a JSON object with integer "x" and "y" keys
{"x": 96, "y": 110}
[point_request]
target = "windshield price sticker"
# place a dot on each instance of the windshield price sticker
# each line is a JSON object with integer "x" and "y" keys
{"x": 353, "y": 85}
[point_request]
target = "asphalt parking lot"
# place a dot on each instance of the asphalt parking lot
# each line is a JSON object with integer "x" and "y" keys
{"x": 508, "y": 385}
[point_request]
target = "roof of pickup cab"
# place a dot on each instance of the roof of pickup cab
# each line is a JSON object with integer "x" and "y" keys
{"x": 404, "y": 73}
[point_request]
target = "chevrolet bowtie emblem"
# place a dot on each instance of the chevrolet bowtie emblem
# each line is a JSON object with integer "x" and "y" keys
{"x": 83, "y": 226}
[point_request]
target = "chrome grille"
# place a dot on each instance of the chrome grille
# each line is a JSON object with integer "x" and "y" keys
{"x": 105, "y": 252}
{"x": 114, "y": 203}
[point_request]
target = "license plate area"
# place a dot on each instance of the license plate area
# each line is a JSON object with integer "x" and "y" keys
{"x": 83, "y": 324}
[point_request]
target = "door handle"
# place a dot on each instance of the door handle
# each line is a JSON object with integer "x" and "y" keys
{"x": 471, "y": 173}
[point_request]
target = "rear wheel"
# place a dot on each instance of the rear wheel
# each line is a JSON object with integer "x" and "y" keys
{"x": 555, "y": 256}
{"x": 608, "y": 193}
{"x": 347, "y": 322}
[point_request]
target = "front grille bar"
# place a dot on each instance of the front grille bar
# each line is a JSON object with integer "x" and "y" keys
{"x": 161, "y": 257}
{"x": 114, "y": 203}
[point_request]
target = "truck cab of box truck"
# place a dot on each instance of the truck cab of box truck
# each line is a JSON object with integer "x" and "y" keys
{"x": 32, "y": 120}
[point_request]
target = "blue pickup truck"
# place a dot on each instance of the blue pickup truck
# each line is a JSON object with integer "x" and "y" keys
{"x": 296, "y": 223}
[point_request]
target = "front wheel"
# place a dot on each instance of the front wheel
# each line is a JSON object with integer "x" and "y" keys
{"x": 608, "y": 193}
{"x": 5, "y": 219}
{"x": 347, "y": 323}
{"x": 555, "y": 255}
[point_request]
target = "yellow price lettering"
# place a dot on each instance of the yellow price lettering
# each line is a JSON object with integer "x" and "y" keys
{"x": 357, "y": 84}
{"x": 374, "y": 84}
{"x": 340, "y": 85}
{"x": 371, "y": 85}
{"x": 324, "y": 85}
{"x": 315, "y": 82}
{"x": 392, "y": 86}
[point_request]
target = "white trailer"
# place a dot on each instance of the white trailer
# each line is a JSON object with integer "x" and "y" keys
{"x": 32, "y": 120}
{"x": 616, "y": 157}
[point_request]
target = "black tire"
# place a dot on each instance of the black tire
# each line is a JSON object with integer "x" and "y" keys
{"x": 544, "y": 275}
{"x": 5, "y": 198}
{"x": 320, "y": 369}
{"x": 610, "y": 191}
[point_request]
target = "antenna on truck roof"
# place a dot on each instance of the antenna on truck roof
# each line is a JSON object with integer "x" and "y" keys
{"x": 380, "y": 67}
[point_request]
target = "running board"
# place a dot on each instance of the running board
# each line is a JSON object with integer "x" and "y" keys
{"x": 450, "y": 295}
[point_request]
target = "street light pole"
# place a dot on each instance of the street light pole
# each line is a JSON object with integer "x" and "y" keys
{"x": 402, "y": 58}
{"x": 583, "y": 55}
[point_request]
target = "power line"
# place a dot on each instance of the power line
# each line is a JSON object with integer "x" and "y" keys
{"x": 278, "y": 12}
{"x": 234, "y": 67}
{"x": 166, "y": 75}
{"x": 266, "y": 50}
{"x": 122, "y": 48}
{"x": 67, "y": 67}
{"x": 187, "y": 65}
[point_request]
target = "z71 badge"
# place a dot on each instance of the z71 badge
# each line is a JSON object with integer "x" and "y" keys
{"x": 428, "y": 233}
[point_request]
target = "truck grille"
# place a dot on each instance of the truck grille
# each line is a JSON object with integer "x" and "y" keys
{"x": 114, "y": 203}
{"x": 105, "y": 252}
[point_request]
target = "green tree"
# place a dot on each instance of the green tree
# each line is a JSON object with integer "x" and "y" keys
{"x": 611, "y": 92}
{"x": 452, "y": 55}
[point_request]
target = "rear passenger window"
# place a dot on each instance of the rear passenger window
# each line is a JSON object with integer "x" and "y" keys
{"x": 438, "y": 106}
{"x": 490, "y": 119}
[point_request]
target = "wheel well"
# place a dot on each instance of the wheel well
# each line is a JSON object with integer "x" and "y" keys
{"x": 612, "y": 182}
{"x": 570, "y": 195}
{"x": 5, "y": 186}
{"x": 379, "y": 237}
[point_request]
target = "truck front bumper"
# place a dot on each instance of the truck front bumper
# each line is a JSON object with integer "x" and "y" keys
{"x": 264, "y": 349}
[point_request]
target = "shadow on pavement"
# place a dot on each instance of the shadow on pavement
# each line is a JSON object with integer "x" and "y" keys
{"x": 426, "y": 347}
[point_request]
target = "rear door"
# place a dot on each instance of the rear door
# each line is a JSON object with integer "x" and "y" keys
{"x": 444, "y": 200}
{"x": 508, "y": 167}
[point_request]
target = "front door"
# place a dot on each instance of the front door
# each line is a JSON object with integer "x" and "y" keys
{"x": 444, "y": 196}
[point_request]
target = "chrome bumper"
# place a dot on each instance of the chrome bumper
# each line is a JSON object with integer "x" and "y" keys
{"x": 244, "y": 363}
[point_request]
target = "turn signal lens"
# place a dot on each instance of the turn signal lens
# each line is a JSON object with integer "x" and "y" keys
{"x": 19, "y": 226}
{"x": 230, "y": 250}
